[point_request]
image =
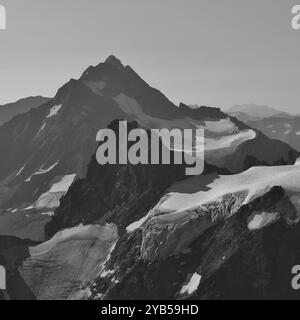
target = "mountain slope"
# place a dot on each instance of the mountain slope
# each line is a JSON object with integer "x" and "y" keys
{"x": 8, "y": 111}
{"x": 53, "y": 144}
{"x": 227, "y": 237}
{"x": 202, "y": 228}
{"x": 135, "y": 200}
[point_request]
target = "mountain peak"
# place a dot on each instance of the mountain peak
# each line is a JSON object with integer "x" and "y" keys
{"x": 112, "y": 60}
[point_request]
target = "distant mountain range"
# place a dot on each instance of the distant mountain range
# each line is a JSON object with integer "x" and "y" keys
{"x": 8, "y": 111}
{"x": 140, "y": 231}
{"x": 286, "y": 129}
{"x": 253, "y": 110}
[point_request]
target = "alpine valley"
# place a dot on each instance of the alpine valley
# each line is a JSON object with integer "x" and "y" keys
{"x": 73, "y": 229}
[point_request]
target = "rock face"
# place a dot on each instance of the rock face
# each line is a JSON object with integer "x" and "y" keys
{"x": 12, "y": 252}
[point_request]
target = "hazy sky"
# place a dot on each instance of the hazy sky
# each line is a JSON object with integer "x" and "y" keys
{"x": 207, "y": 52}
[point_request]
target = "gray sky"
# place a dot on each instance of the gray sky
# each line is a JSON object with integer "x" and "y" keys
{"x": 207, "y": 52}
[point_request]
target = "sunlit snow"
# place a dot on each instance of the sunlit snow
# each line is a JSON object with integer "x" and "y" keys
{"x": 252, "y": 182}
{"x": 50, "y": 199}
{"x": 135, "y": 225}
{"x": 192, "y": 285}
{"x": 64, "y": 184}
{"x": 262, "y": 220}
{"x": 20, "y": 171}
{"x": 54, "y": 111}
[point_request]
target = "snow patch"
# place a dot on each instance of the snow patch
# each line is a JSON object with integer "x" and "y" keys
{"x": 50, "y": 199}
{"x": 64, "y": 184}
{"x": 107, "y": 273}
{"x": 28, "y": 208}
{"x": 192, "y": 285}
{"x": 50, "y": 213}
{"x": 262, "y": 220}
{"x": 136, "y": 225}
{"x": 54, "y": 111}
{"x": 20, "y": 171}
{"x": 42, "y": 128}
{"x": 43, "y": 171}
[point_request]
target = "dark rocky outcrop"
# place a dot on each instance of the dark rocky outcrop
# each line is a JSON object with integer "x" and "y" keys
{"x": 13, "y": 252}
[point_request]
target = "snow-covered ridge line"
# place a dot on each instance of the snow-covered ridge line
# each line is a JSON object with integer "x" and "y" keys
{"x": 253, "y": 181}
{"x": 180, "y": 205}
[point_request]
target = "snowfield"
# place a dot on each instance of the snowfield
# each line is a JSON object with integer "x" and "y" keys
{"x": 63, "y": 267}
{"x": 64, "y": 184}
{"x": 186, "y": 198}
{"x": 51, "y": 198}
{"x": 253, "y": 181}
{"x": 81, "y": 232}
{"x": 54, "y": 111}
{"x": 192, "y": 285}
